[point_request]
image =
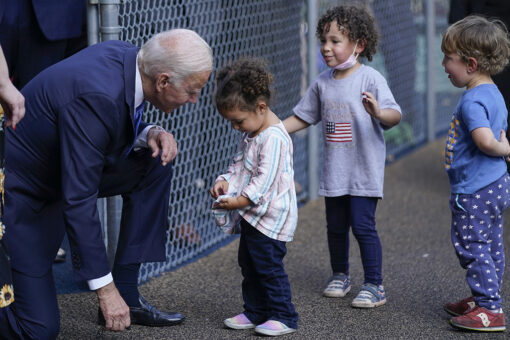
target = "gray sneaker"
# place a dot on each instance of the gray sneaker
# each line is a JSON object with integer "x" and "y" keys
{"x": 338, "y": 285}
{"x": 370, "y": 296}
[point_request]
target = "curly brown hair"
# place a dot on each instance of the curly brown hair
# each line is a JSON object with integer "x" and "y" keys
{"x": 484, "y": 39}
{"x": 242, "y": 84}
{"x": 354, "y": 21}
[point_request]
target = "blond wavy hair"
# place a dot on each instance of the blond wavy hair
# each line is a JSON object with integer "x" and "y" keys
{"x": 481, "y": 38}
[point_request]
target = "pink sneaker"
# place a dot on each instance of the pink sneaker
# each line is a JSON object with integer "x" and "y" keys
{"x": 273, "y": 328}
{"x": 239, "y": 321}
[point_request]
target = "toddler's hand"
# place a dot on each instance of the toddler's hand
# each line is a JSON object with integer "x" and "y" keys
{"x": 371, "y": 105}
{"x": 504, "y": 141}
{"x": 219, "y": 188}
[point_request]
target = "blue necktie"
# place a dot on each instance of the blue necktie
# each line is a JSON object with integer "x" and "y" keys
{"x": 137, "y": 119}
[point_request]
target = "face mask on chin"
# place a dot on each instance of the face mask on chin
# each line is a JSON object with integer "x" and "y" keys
{"x": 350, "y": 62}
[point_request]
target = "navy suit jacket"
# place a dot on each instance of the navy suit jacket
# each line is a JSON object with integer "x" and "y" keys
{"x": 78, "y": 122}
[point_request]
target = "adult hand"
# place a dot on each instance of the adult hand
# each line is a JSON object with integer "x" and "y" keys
{"x": 13, "y": 103}
{"x": 162, "y": 142}
{"x": 115, "y": 310}
{"x": 219, "y": 188}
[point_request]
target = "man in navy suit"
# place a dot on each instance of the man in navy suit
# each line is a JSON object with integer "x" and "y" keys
{"x": 36, "y": 34}
{"x": 81, "y": 139}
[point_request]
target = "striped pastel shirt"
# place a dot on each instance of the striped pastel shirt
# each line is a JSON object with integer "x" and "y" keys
{"x": 262, "y": 170}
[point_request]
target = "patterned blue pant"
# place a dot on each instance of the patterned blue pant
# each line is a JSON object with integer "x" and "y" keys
{"x": 477, "y": 235}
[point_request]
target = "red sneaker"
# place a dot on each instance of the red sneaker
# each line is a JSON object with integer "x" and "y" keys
{"x": 480, "y": 319}
{"x": 460, "y": 307}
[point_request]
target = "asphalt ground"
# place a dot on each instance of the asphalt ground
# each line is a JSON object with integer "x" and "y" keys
{"x": 420, "y": 270}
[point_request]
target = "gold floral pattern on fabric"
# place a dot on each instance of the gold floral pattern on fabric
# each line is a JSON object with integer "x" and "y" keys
{"x": 6, "y": 296}
{"x": 2, "y": 177}
{"x": 2, "y": 230}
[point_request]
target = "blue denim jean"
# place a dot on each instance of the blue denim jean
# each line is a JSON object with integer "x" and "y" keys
{"x": 266, "y": 288}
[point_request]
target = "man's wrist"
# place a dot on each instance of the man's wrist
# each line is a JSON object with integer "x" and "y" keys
{"x": 155, "y": 130}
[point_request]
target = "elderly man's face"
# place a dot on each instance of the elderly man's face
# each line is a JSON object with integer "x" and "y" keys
{"x": 170, "y": 97}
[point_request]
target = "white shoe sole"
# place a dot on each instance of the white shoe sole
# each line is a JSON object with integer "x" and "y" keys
{"x": 364, "y": 304}
{"x": 232, "y": 325}
{"x": 336, "y": 294}
{"x": 270, "y": 332}
{"x": 487, "y": 329}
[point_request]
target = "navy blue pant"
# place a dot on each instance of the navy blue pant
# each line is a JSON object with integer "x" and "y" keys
{"x": 145, "y": 186}
{"x": 342, "y": 213}
{"x": 477, "y": 236}
{"x": 266, "y": 288}
{"x": 26, "y": 49}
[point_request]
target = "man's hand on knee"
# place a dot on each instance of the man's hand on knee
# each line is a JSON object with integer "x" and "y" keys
{"x": 115, "y": 310}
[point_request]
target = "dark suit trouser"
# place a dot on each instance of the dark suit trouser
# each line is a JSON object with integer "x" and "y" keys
{"x": 26, "y": 49}
{"x": 145, "y": 186}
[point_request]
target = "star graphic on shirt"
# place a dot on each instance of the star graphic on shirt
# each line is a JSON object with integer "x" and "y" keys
{"x": 488, "y": 271}
{"x": 486, "y": 212}
{"x": 490, "y": 280}
{"x": 477, "y": 196}
{"x": 499, "y": 197}
{"x": 471, "y": 216}
{"x": 488, "y": 202}
{"x": 490, "y": 191}
{"x": 478, "y": 285}
{"x": 500, "y": 186}
{"x": 475, "y": 206}
{"x": 464, "y": 227}
{"x": 497, "y": 253}
{"x": 480, "y": 247}
{"x": 474, "y": 275}
{"x": 467, "y": 247}
{"x": 482, "y": 255}
{"x": 456, "y": 244}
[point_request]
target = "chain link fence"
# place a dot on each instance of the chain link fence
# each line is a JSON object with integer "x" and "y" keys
{"x": 233, "y": 28}
{"x": 277, "y": 31}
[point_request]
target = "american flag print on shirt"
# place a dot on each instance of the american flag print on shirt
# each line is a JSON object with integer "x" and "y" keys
{"x": 338, "y": 132}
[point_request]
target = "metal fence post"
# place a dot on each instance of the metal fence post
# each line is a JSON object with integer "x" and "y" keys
{"x": 92, "y": 22}
{"x": 431, "y": 54}
{"x": 313, "y": 131}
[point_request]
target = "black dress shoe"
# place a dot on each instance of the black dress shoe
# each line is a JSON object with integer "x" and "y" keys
{"x": 147, "y": 315}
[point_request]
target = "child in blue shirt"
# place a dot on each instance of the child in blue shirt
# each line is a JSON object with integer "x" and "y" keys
{"x": 474, "y": 49}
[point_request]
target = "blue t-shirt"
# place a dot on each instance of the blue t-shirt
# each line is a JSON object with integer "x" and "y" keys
{"x": 468, "y": 168}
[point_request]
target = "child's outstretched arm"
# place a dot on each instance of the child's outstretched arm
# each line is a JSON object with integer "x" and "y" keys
{"x": 387, "y": 117}
{"x": 488, "y": 144}
{"x": 294, "y": 123}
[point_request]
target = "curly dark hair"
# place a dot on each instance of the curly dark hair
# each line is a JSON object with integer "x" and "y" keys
{"x": 354, "y": 21}
{"x": 242, "y": 84}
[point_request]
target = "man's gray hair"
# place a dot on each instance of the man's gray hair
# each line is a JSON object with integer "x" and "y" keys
{"x": 178, "y": 52}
